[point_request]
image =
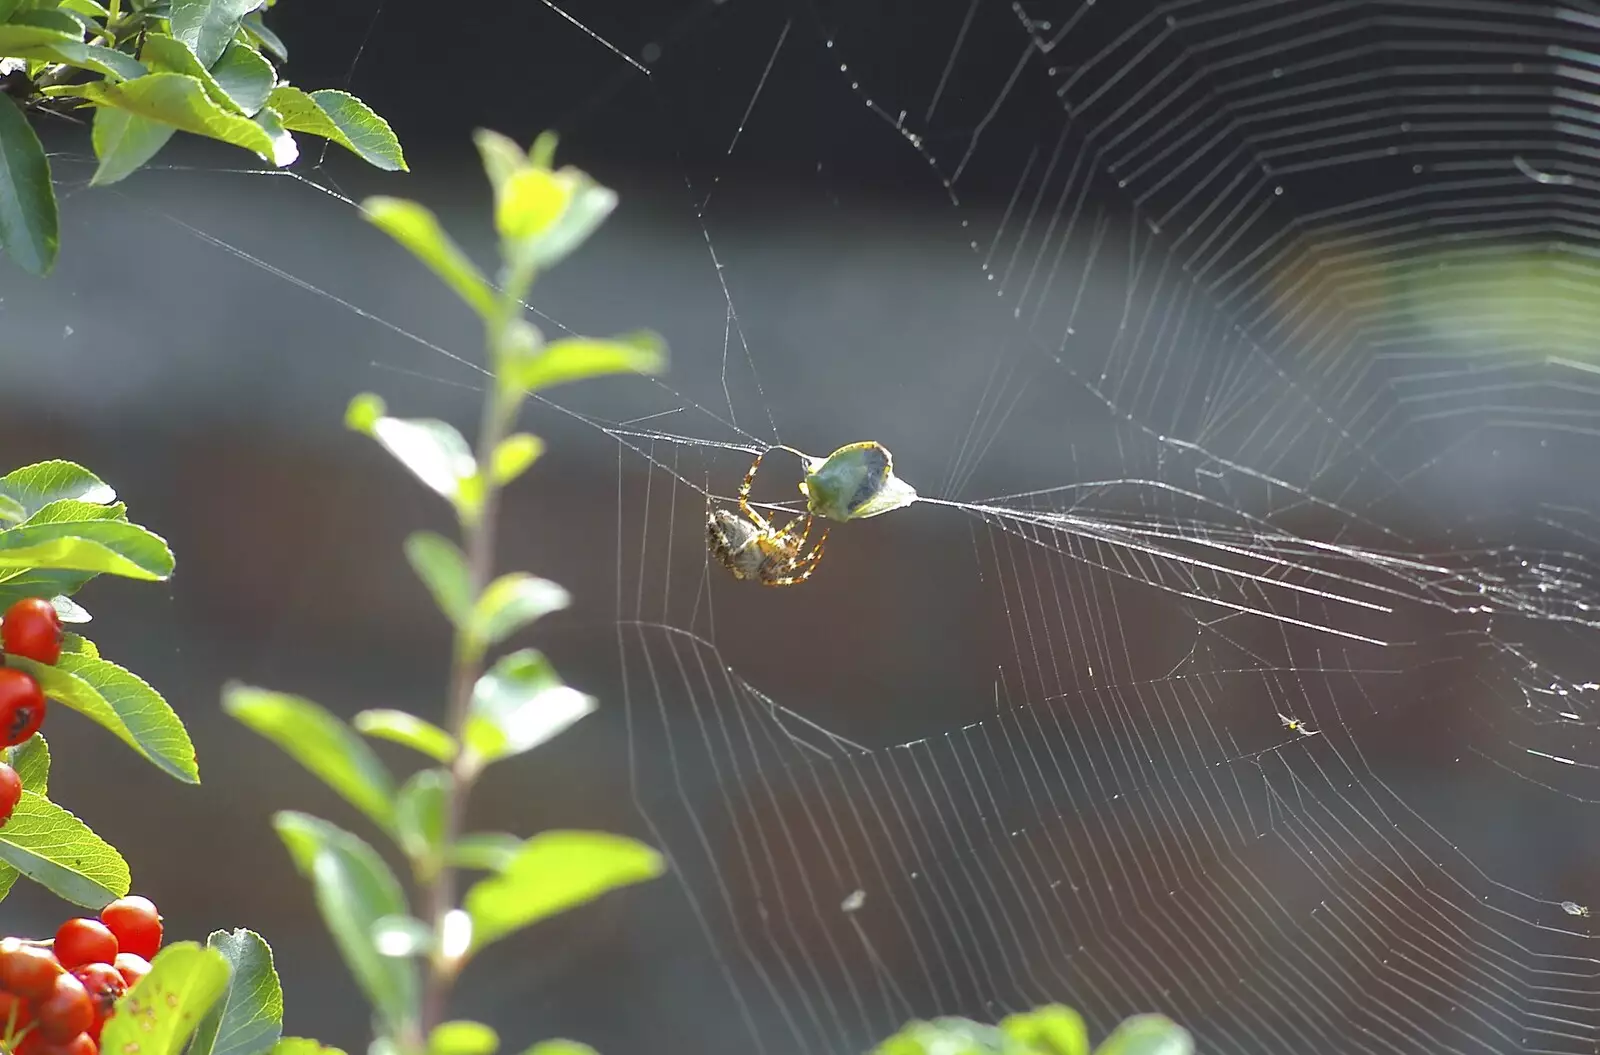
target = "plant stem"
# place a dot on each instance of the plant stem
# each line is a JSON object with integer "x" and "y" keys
{"x": 478, "y": 538}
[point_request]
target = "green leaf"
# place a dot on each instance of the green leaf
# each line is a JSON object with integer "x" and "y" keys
{"x": 433, "y": 450}
{"x": 245, "y": 76}
{"x": 343, "y": 119}
{"x": 157, "y": 1016}
{"x": 542, "y": 152}
{"x": 70, "y": 612}
{"x": 443, "y": 570}
{"x": 207, "y": 26}
{"x": 321, "y": 743}
{"x": 11, "y": 510}
{"x": 485, "y": 851}
{"x": 249, "y": 1018}
{"x": 543, "y": 216}
{"x": 53, "y": 848}
{"x": 284, "y": 149}
{"x": 513, "y": 601}
{"x": 78, "y": 645}
{"x": 560, "y": 1047}
{"x": 31, "y": 34}
{"x": 122, "y": 702}
{"x": 115, "y": 547}
{"x": 419, "y": 816}
{"x": 167, "y": 54}
{"x": 502, "y": 158}
{"x": 64, "y": 510}
{"x": 1148, "y": 1035}
{"x": 416, "y": 228}
{"x": 36, "y": 486}
{"x": 518, "y": 705}
{"x": 555, "y": 871}
{"x": 1050, "y": 1030}
{"x": 29, "y": 221}
{"x": 124, "y": 143}
{"x": 580, "y": 358}
{"x": 513, "y": 456}
{"x": 409, "y": 731}
{"x": 31, "y": 760}
{"x": 303, "y": 1046}
{"x": 363, "y": 412}
{"x": 181, "y": 101}
{"x": 354, "y": 890}
{"x": 401, "y": 936}
{"x": 253, "y": 26}
{"x": 462, "y": 1038}
{"x": 113, "y": 64}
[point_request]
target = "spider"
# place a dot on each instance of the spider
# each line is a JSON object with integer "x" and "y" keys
{"x": 754, "y": 549}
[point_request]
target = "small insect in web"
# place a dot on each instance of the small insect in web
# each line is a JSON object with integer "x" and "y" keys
{"x": 1572, "y": 908}
{"x": 1295, "y": 725}
{"x": 854, "y": 482}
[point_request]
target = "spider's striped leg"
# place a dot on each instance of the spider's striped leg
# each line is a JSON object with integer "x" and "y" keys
{"x": 744, "y": 494}
{"x": 806, "y": 564}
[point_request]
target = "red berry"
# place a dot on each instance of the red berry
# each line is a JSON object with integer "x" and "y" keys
{"x": 81, "y": 941}
{"x": 31, "y": 628}
{"x": 132, "y": 967}
{"x": 10, "y": 792}
{"x": 136, "y": 923}
{"x": 13, "y": 1005}
{"x": 67, "y": 1011}
{"x": 105, "y": 985}
{"x": 27, "y": 970}
{"x": 82, "y": 1044}
{"x": 21, "y": 706}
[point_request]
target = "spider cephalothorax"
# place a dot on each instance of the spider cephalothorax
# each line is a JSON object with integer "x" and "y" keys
{"x": 751, "y": 548}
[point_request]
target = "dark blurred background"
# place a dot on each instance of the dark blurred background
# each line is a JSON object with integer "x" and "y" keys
{"x": 1232, "y": 314}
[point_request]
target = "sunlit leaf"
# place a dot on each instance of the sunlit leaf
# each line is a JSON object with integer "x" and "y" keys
{"x": 182, "y": 102}
{"x": 513, "y": 456}
{"x": 114, "y": 547}
{"x": 443, "y": 570}
{"x": 513, "y": 601}
{"x": 408, "y": 730}
{"x": 30, "y": 223}
{"x": 1050, "y": 1030}
{"x": 284, "y": 149}
{"x": 265, "y": 37}
{"x": 31, "y": 760}
{"x": 303, "y": 1046}
{"x": 401, "y": 936}
{"x": 416, "y": 228}
{"x": 53, "y": 848}
{"x": 560, "y": 1047}
{"x": 248, "y": 1019}
{"x": 1148, "y": 1035}
{"x": 580, "y": 358}
{"x": 485, "y": 851}
{"x": 355, "y": 889}
{"x": 207, "y": 26}
{"x": 518, "y": 704}
{"x": 555, "y": 871}
{"x": 343, "y": 119}
{"x": 419, "y": 815}
{"x": 434, "y": 451}
{"x": 321, "y": 743}
{"x": 502, "y": 158}
{"x": 124, "y": 143}
{"x": 245, "y": 76}
{"x": 36, "y": 486}
{"x": 462, "y": 1038}
{"x": 122, "y": 702}
{"x": 159, "y": 1014}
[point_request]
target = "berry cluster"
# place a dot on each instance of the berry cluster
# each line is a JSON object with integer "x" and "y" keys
{"x": 31, "y": 629}
{"x": 55, "y": 996}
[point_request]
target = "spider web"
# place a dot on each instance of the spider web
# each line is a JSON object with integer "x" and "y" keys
{"x": 1238, "y": 664}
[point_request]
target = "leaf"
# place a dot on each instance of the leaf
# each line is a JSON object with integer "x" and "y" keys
{"x": 245, "y": 76}
{"x": 513, "y": 601}
{"x": 518, "y": 705}
{"x": 513, "y": 456}
{"x": 31, "y": 34}
{"x": 122, "y": 702}
{"x": 167, "y": 54}
{"x": 29, "y": 221}
{"x": 207, "y": 26}
{"x": 157, "y": 1016}
{"x": 401, "y": 936}
{"x": 1050, "y": 1030}
{"x": 416, "y": 228}
{"x": 433, "y": 450}
{"x": 1148, "y": 1035}
{"x": 560, "y": 1047}
{"x": 36, "y": 486}
{"x": 55, "y": 849}
{"x": 181, "y": 101}
{"x": 249, "y": 1018}
{"x": 11, "y": 510}
{"x": 580, "y": 358}
{"x": 354, "y": 890}
{"x": 443, "y": 570}
{"x": 321, "y": 743}
{"x": 70, "y": 612}
{"x": 419, "y": 815}
{"x": 284, "y": 149}
{"x": 485, "y": 851}
{"x": 64, "y": 510}
{"x": 124, "y": 143}
{"x": 303, "y": 1046}
{"x": 343, "y": 119}
{"x": 555, "y": 871}
{"x": 31, "y": 760}
{"x": 543, "y": 216}
{"x": 502, "y": 158}
{"x": 115, "y": 547}
{"x": 409, "y": 731}
{"x": 462, "y": 1038}
{"x": 78, "y": 645}
{"x": 253, "y": 26}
